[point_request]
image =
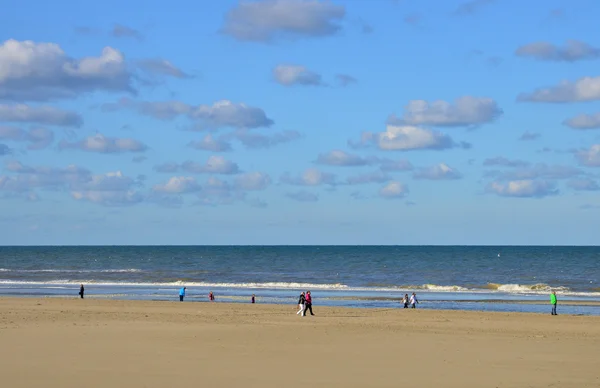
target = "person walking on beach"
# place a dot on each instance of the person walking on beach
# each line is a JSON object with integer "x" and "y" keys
{"x": 553, "y": 302}
{"x": 307, "y": 304}
{"x": 301, "y": 302}
{"x": 211, "y": 296}
{"x": 181, "y": 294}
{"x": 253, "y": 299}
{"x": 405, "y": 301}
{"x": 81, "y": 291}
{"x": 413, "y": 301}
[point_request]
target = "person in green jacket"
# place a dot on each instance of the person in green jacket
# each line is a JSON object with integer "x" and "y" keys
{"x": 553, "y": 301}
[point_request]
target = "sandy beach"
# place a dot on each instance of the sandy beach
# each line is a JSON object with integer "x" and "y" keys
{"x": 108, "y": 343}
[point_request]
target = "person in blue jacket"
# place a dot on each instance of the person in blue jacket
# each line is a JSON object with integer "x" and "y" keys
{"x": 181, "y": 294}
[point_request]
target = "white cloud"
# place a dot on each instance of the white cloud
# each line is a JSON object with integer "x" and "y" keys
{"x": 589, "y": 157}
{"x": 523, "y": 188}
{"x": 405, "y": 138}
{"x": 372, "y": 177}
{"x": 44, "y": 115}
{"x": 43, "y": 71}
{"x": 268, "y": 20}
{"x": 289, "y": 75}
{"x": 583, "y": 185}
{"x": 440, "y": 171}
{"x": 159, "y": 66}
{"x": 393, "y": 190}
{"x": 310, "y": 177}
{"x": 28, "y": 178}
{"x": 302, "y": 196}
{"x": 178, "y": 185}
{"x": 463, "y": 112}
{"x": 584, "y": 89}
{"x": 341, "y": 158}
{"x": 209, "y": 143}
{"x": 121, "y": 31}
{"x": 573, "y": 50}
{"x": 253, "y": 181}
{"x": 109, "y": 198}
{"x": 110, "y": 181}
{"x": 256, "y": 140}
{"x": 107, "y": 145}
{"x": 214, "y": 165}
{"x": 38, "y": 138}
{"x": 395, "y": 165}
{"x": 223, "y": 113}
{"x": 584, "y": 121}
{"x": 502, "y": 161}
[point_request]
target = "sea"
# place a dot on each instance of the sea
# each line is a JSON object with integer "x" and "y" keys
{"x": 482, "y": 278}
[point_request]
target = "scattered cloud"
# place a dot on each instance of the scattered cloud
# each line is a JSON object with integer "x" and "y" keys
{"x": 209, "y": 143}
{"x": 395, "y": 165}
{"x": 583, "y": 185}
{"x": 405, "y": 138}
{"x": 121, "y": 31}
{"x": 464, "y": 111}
{"x": 584, "y": 121}
{"x": 371, "y": 177}
{"x": 178, "y": 185}
{"x": 28, "y": 178}
{"x": 109, "y": 198}
{"x": 584, "y": 89}
{"x": 344, "y": 80}
{"x": 38, "y": 138}
{"x": 573, "y": 50}
{"x": 529, "y": 136}
{"x": 43, "y": 71}
{"x": 393, "y": 190}
{"x": 159, "y": 66}
{"x": 167, "y": 167}
{"x": 342, "y": 158}
{"x": 270, "y": 20}
{"x": 310, "y": 177}
{"x": 589, "y": 157}
{"x": 255, "y": 140}
{"x": 440, "y": 171}
{"x": 537, "y": 171}
{"x": 302, "y": 196}
{"x": 106, "y": 145}
{"x": 289, "y": 75}
{"x": 523, "y": 188}
{"x": 471, "y": 7}
{"x": 213, "y": 165}
{"x": 43, "y": 115}
{"x": 223, "y": 113}
{"x": 252, "y": 181}
{"x": 502, "y": 161}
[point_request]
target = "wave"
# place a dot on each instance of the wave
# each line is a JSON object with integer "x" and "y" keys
{"x": 124, "y": 270}
{"x": 539, "y": 288}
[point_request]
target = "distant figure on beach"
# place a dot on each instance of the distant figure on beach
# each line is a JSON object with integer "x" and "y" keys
{"x": 405, "y": 301}
{"x": 301, "y": 302}
{"x": 413, "y": 301}
{"x": 253, "y": 299}
{"x": 307, "y": 304}
{"x": 181, "y": 294}
{"x": 211, "y": 296}
{"x": 81, "y": 291}
{"x": 553, "y": 302}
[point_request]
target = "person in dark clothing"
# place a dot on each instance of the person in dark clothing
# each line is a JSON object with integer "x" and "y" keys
{"x": 81, "y": 291}
{"x": 301, "y": 302}
{"x": 253, "y": 299}
{"x": 405, "y": 301}
{"x": 308, "y": 304}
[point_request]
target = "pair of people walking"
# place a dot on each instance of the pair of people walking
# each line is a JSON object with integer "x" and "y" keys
{"x": 305, "y": 303}
{"x": 412, "y": 301}
{"x": 211, "y": 296}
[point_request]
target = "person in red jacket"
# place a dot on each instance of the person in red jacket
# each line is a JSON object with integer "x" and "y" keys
{"x": 307, "y": 304}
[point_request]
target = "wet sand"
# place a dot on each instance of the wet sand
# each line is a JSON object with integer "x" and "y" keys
{"x": 109, "y": 343}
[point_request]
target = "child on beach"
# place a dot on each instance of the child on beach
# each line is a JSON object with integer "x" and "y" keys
{"x": 413, "y": 301}
{"x": 405, "y": 301}
{"x": 301, "y": 301}
{"x": 553, "y": 302}
{"x": 211, "y": 296}
{"x": 181, "y": 294}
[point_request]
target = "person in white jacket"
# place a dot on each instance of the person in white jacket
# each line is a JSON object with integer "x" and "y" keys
{"x": 413, "y": 301}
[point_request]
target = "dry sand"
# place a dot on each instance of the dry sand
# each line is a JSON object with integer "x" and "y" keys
{"x": 105, "y": 343}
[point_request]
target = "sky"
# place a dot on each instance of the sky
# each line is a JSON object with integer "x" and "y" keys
{"x": 300, "y": 122}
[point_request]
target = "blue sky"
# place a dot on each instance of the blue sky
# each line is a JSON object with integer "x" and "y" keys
{"x": 300, "y": 122}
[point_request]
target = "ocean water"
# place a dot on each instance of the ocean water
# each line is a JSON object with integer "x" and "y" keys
{"x": 449, "y": 277}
